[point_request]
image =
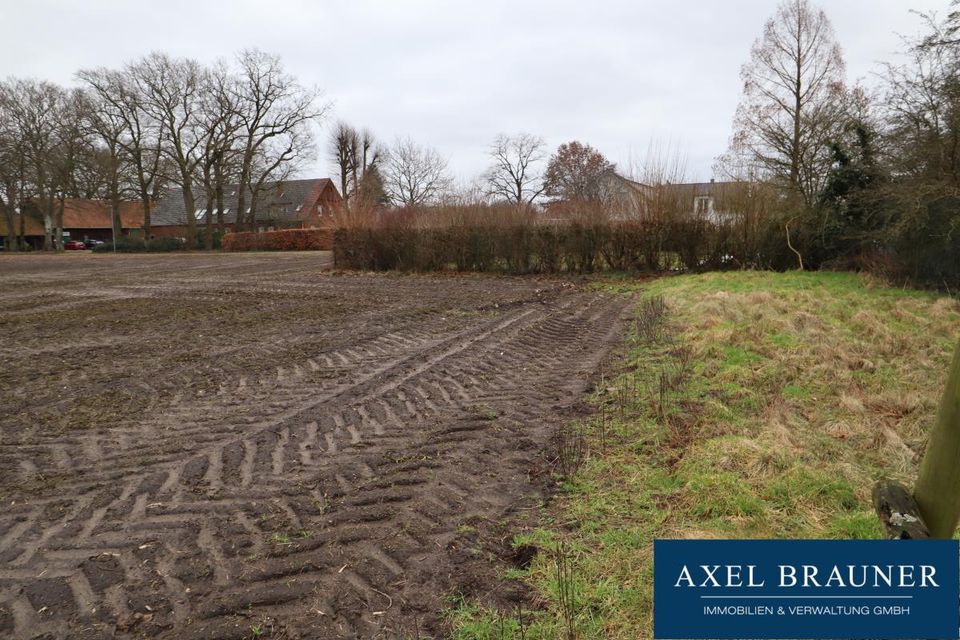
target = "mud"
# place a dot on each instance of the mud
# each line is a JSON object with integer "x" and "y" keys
{"x": 252, "y": 445}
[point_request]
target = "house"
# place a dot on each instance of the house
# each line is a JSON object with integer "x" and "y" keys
{"x": 27, "y": 227}
{"x": 628, "y": 199}
{"x": 93, "y": 219}
{"x": 288, "y": 204}
{"x": 82, "y": 220}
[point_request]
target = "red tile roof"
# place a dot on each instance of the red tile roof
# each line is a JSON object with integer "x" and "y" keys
{"x": 31, "y": 226}
{"x": 95, "y": 214}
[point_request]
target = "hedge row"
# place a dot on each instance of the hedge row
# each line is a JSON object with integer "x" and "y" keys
{"x": 581, "y": 248}
{"x": 284, "y": 240}
{"x": 138, "y": 245}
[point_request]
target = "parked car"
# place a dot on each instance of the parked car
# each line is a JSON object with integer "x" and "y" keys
{"x": 90, "y": 244}
{"x": 75, "y": 245}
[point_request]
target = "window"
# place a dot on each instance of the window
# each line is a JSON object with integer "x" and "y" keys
{"x": 703, "y": 205}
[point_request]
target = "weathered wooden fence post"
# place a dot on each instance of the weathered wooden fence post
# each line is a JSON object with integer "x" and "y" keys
{"x": 937, "y": 491}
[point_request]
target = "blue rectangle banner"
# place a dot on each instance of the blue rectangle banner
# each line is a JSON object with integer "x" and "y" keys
{"x": 806, "y": 589}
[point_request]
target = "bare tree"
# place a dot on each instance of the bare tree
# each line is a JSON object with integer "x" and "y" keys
{"x": 118, "y": 101}
{"x": 342, "y": 142}
{"x": 414, "y": 175}
{"x": 219, "y": 151}
{"x": 103, "y": 121}
{"x": 77, "y": 166}
{"x": 513, "y": 175}
{"x": 170, "y": 92}
{"x": 275, "y": 114}
{"x": 34, "y": 111}
{"x": 922, "y": 108}
{"x": 13, "y": 175}
{"x": 357, "y": 156}
{"x": 791, "y": 105}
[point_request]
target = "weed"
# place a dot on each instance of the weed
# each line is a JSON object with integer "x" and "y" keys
{"x": 649, "y": 320}
{"x": 483, "y": 411}
{"x": 571, "y": 449}
{"x": 566, "y": 588}
{"x": 280, "y": 539}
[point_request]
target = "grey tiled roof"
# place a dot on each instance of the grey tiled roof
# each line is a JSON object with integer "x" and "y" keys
{"x": 278, "y": 201}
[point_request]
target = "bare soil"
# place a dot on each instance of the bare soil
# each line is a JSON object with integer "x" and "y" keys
{"x": 207, "y": 446}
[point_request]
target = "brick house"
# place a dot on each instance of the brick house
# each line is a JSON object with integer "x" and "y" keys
{"x": 289, "y": 204}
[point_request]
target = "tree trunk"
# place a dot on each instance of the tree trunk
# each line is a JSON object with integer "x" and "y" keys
{"x": 145, "y": 198}
{"x": 58, "y": 225}
{"x": 242, "y": 197}
{"x": 208, "y": 230}
{"x": 189, "y": 204}
{"x": 10, "y": 215}
{"x": 115, "y": 209}
{"x": 221, "y": 221}
{"x": 47, "y": 223}
{"x": 938, "y": 486}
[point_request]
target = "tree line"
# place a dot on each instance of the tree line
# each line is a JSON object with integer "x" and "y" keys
{"x": 867, "y": 178}
{"x": 836, "y": 174}
{"x": 129, "y": 132}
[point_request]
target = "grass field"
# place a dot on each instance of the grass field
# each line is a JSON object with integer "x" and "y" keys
{"x": 759, "y": 405}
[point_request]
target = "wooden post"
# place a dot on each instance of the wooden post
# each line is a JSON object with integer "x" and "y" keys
{"x": 898, "y": 512}
{"x": 937, "y": 491}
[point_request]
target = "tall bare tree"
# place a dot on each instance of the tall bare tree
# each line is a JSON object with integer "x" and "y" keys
{"x": 118, "y": 102}
{"x": 219, "y": 152}
{"x": 13, "y": 175}
{"x": 276, "y": 114}
{"x": 792, "y": 100}
{"x": 357, "y": 156}
{"x": 513, "y": 175}
{"x": 171, "y": 92}
{"x": 35, "y": 110}
{"x": 414, "y": 175}
{"x": 104, "y": 122}
{"x": 78, "y": 167}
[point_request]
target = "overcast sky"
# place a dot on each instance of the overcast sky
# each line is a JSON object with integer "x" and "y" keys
{"x": 616, "y": 74}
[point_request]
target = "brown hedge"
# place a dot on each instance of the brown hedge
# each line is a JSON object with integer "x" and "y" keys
{"x": 284, "y": 240}
{"x": 576, "y": 247}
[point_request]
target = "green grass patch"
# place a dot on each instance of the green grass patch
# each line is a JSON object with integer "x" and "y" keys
{"x": 801, "y": 390}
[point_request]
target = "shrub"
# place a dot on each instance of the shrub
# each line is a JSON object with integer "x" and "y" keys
{"x": 164, "y": 244}
{"x": 123, "y": 245}
{"x": 284, "y": 240}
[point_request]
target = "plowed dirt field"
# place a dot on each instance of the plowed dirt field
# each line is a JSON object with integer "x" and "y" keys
{"x": 236, "y": 445}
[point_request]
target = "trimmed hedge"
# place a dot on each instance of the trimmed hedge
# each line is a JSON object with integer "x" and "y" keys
{"x": 137, "y": 245}
{"x": 283, "y": 240}
{"x": 575, "y": 247}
